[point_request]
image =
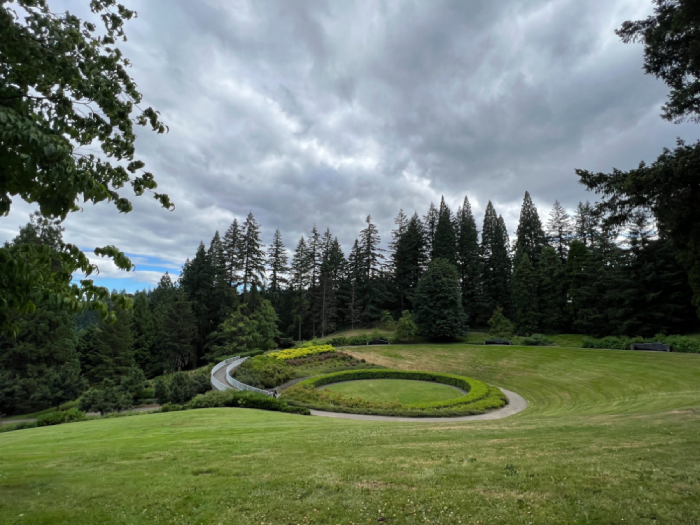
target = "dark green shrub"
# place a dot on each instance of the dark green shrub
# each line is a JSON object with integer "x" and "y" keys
{"x": 133, "y": 382}
{"x": 235, "y": 398}
{"x": 107, "y": 398}
{"x": 500, "y": 326}
{"x": 537, "y": 340}
{"x": 59, "y": 417}
{"x": 357, "y": 340}
{"x": 263, "y": 372}
{"x": 171, "y": 407}
{"x": 161, "y": 389}
{"x": 182, "y": 388}
{"x": 147, "y": 393}
{"x": 339, "y": 341}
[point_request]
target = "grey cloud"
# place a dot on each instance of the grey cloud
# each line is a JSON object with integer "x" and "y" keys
{"x": 324, "y": 112}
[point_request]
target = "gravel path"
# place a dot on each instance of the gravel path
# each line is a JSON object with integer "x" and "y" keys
{"x": 516, "y": 403}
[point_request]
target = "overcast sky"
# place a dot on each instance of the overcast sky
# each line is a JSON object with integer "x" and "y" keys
{"x": 308, "y": 112}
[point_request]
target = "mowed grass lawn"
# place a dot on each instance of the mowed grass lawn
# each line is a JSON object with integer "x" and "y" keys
{"x": 395, "y": 390}
{"x": 609, "y": 437}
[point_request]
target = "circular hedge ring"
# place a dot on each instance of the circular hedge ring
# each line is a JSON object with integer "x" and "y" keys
{"x": 479, "y": 397}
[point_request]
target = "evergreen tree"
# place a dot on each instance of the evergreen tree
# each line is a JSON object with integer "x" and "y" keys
{"x": 355, "y": 279}
{"x": 530, "y": 236}
{"x": 143, "y": 327}
{"x": 525, "y": 303}
{"x": 277, "y": 264}
{"x": 551, "y": 291}
{"x": 585, "y": 223}
{"x": 401, "y": 222}
{"x": 373, "y": 285}
{"x": 560, "y": 230}
{"x": 430, "y": 221}
{"x": 177, "y": 328}
{"x": 332, "y": 271}
{"x": 315, "y": 257}
{"x": 301, "y": 277}
{"x": 575, "y": 277}
{"x": 496, "y": 264}
{"x": 39, "y": 367}
{"x": 438, "y": 302}
{"x": 409, "y": 260}
{"x": 500, "y": 326}
{"x": 111, "y": 354}
{"x": 251, "y": 255}
{"x": 197, "y": 281}
{"x": 232, "y": 242}
{"x": 444, "y": 242}
{"x": 468, "y": 259}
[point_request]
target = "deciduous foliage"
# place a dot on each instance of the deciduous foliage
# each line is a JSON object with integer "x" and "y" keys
{"x": 63, "y": 86}
{"x": 438, "y": 302}
{"x": 247, "y": 330}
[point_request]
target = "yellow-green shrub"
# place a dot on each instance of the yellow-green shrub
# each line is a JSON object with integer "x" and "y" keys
{"x": 295, "y": 353}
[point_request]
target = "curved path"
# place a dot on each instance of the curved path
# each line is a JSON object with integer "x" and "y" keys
{"x": 516, "y": 403}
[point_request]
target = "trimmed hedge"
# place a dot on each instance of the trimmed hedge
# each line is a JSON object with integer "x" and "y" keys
{"x": 17, "y": 426}
{"x": 479, "y": 398}
{"x": 536, "y": 340}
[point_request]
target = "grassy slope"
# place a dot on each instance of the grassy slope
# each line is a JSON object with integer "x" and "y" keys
{"x": 396, "y": 390}
{"x": 609, "y": 435}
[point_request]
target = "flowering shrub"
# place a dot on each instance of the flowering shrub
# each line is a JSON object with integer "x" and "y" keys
{"x": 295, "y": 353}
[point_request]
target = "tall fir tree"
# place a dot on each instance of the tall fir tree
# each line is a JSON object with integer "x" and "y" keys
{"x": 231, "y": 243}
{"x": 585, "y": 223}
{"x": 530, "y": 237}
{"x": 438, "y": 302}
{"x": 525, "y": 300}
{"x": 197, "y": 281}
{"x": 409, "y": 261}
{"x": 374, "y": 286}
{"x": 430, "y": 221}
{"x": 332, "y": 272}
{"x": 112, "y": 355}
{"x": 355, "y": 279}
{"x": 301, "y": 278}
{"x": 468, "y": 259}
{"x": 551, "y": 291}
{"x": 251, "y": 255}
{"x": 496, "y": 264}
{"x": 144, "y": 337}
{"x": 277, "y": 265}
{"x": 178, "y": 331}
{"x": 315, "y": 254}
{"x": 560, "y": 230}
{"x": 444, "y": 243}
{"x": 575, "y": 279}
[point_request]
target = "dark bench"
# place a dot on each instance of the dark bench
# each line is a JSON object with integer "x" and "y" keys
{"x": 378, "y": 342}
{"x": 497, "y": 342}
{"x": 656, "y": 347}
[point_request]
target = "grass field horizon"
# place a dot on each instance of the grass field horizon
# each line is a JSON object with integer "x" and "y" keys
{"x": 609, "y": 436}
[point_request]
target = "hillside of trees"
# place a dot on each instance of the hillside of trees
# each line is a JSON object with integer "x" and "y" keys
{"x": 564, "y": 274}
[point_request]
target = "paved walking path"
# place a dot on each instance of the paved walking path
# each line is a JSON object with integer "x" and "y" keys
{"x": 516, "y": 403}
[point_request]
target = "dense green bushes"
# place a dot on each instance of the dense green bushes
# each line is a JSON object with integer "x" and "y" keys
{"x": 678, "y": 343}
{"x": 17, "y": 426}
{"x": 235, "y": 398}
{"x": 479, "y": 398}
{"x": 180, "y": 387}
{"x": 263, "y": 372}
{"x": 536, "y": 340}
{"x": 59, "y": 417}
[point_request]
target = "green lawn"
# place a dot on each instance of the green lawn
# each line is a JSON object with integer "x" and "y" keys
{"x": 609, "y": 437}
{"x": 395, "y": 390}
